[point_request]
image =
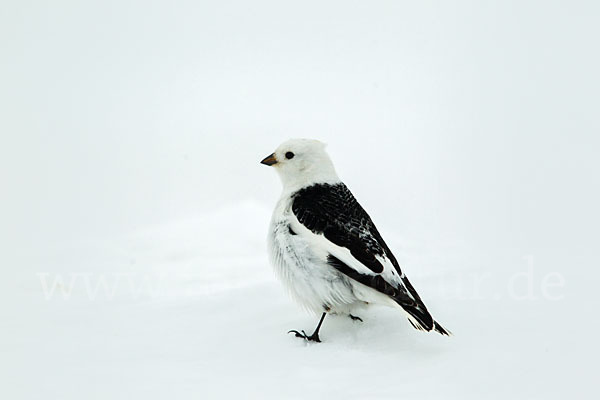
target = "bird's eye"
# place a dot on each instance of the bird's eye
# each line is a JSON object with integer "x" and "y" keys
{"x": 289, "y": 155}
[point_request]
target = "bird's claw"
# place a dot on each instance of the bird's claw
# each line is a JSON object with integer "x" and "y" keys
{"x": 298, "y": 334}
{"x": 355, "y": 318}
{"x": 303, "y": 335}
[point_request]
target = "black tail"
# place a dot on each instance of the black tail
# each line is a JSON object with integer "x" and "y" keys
{"x": 440, "y": 329}
{"x": 423, "y": 321}
{"x": 421, "y": 318}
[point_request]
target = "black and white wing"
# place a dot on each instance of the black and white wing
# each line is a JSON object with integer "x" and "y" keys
{"x": 344, "y": 230}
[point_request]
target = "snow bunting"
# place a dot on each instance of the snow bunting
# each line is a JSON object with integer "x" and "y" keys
{"x": 324, "y": 246}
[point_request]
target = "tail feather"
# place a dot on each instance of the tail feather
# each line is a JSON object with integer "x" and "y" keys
{"x": 436, "y": 327}
{"x": 441, "y": 330}
{"x": 422, "y": 320}
{"x": 419, "y": 317}
{"x": 417, "y": 313}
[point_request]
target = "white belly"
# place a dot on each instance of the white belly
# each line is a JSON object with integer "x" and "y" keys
{"x": 314, "y": 284}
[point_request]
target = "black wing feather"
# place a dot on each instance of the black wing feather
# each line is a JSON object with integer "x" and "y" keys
{"x": 333, "y": 211}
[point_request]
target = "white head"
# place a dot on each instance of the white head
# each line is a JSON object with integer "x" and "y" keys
{"x": 301, "y": 163}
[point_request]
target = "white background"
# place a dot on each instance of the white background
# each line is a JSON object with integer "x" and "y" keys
{"x": 130, "y": 136}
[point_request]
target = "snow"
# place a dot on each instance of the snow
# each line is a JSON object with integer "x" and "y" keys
{"x": 210, "y": 320}
{"x": 134, "y": 210}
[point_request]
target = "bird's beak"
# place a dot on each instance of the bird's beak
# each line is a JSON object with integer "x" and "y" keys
{"x": 269, "y": 160}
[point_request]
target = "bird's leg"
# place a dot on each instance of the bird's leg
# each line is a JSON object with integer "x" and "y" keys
{"x": 315, "y": 335}
{"x": 355, "y": 318}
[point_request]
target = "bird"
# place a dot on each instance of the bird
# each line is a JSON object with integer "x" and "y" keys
{"x": 325, "y": 248}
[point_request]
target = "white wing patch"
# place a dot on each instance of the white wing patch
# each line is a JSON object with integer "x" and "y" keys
{"x": 326, "y": 247}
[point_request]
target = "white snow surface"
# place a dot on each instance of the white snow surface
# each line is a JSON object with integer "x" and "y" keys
{"x": 211, "y": 322}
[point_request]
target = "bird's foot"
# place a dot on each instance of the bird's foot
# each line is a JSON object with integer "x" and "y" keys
{"x": 312, "y": 338}
{"x": 355, "y": 318}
